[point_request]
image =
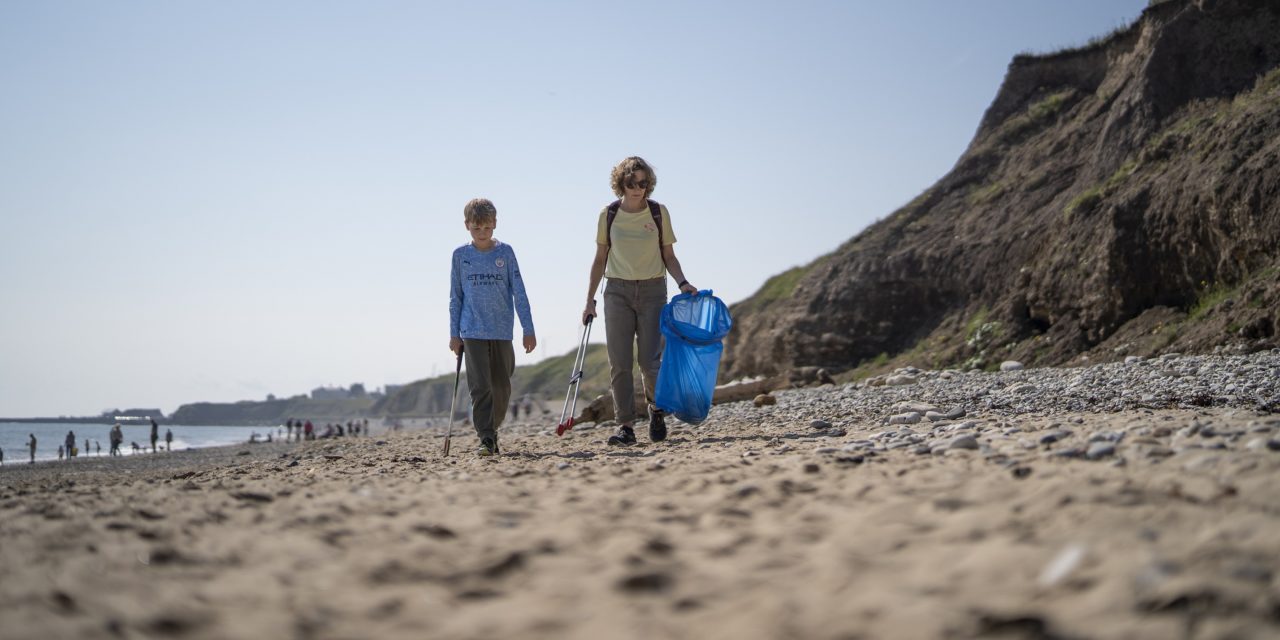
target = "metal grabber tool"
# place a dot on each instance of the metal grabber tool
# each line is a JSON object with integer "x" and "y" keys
{"x": 575, "y": 381}
{"x": 453, "y": 403}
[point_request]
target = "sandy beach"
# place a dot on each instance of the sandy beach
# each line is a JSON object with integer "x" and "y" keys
{"x": 822, "y": 516}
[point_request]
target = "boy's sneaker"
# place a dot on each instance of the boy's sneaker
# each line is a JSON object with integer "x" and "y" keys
{"x": 625, "y": 436}
{"x": 657, "y": 425}
{"x": 488, "y": 447}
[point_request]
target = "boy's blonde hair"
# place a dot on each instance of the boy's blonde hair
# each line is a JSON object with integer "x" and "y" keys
{"x": 624, "y": 172}
{"x": 480, "y": 210}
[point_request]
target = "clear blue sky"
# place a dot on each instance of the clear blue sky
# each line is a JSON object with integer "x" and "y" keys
{"x": 213, "y": 201}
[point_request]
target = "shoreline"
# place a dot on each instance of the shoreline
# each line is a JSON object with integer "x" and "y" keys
{"x": 104, "y": 465}
{"x": 818, "y": 517}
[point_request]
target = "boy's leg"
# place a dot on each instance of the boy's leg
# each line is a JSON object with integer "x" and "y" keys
{"x": 502, "y": 363}
{"x": 620, "y": 334}
{"x": 476, "y": 353}
{"x": 652, "y": 297}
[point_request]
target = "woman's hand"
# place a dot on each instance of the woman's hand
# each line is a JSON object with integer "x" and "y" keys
{"x": 455, "y": 345}
{"x": 685, "y": 287}
{"x": 589, "y": 311}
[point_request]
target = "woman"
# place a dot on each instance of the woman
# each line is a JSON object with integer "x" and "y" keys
{"x": 634, "y": 255}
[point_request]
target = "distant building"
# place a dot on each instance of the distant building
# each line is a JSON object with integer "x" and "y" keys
{"x": 329, "y": 393}
{"x": 133, "y": 414}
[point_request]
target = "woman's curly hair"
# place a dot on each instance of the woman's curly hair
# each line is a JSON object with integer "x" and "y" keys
{"x": 626, "y": 170}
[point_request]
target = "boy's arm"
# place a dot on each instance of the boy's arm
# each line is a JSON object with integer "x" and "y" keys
{"x": 455, "y": 305}
{"x": 521, "y": 297}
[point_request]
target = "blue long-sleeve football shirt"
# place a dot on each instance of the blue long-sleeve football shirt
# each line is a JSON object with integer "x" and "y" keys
{"x": 487, "y": 293}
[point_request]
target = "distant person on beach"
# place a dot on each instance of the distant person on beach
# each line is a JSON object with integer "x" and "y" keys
{"x": 634, "y": 254}
{"x": 97, "y": 448}
{"x": 155, "y": 434}
{"x": 31, "y": 444}
{"x": 136, "y": 448}
{"x": 310, "y": 430}
{"x": 1, "y": 457}
{"x": 486, "y": 293}
{"x": 60, "y": 452}
{"x": 71, "y": 443}
{"x": 168, "y": 439}
{"x": 288, "y": 426}
{"x": 116, "y": 438}
{"x": 86, "y": 447}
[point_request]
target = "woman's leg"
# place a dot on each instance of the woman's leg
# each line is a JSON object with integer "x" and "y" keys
{"x": 651, "y": 297}
{"x": 620, "y": 334}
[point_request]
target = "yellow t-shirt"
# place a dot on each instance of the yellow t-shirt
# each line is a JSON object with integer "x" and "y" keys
{"x": 634, "y": 254}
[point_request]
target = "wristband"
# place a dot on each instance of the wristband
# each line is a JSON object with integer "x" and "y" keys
{"x": 682, "y": 283}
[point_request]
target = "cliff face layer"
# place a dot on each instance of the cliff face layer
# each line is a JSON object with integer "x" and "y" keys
{"x": 1119, "y": 199}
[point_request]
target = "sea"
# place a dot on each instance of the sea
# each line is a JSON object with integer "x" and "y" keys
{"x": 14, "y": 438}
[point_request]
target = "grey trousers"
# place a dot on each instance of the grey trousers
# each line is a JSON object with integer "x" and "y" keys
{"x": 632, "y": 312}
{"x": 489, "y": 367}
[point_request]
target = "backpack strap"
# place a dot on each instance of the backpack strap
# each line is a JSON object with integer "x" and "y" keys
{"x": 608, "y": 221}
{"x": 655, "y": 210}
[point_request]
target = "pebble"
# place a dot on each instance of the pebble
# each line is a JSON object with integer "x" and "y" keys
{"x": 917, "y": 407}
{"x": 819, "y": 424}
{"x": 1062, "y": 565}
{"x": 905, "y": 418}
{"x": 1025, "y": 387}
{"x": 1011, "y": 365}
{"x": 1099, "y": 450}
{"x": 966, "y": 441}
{"x": 1107, "y": 436}
{"x": 765, "y": 399}
{"x": 1052, "y": 437}
{"x": 900, "y": 380}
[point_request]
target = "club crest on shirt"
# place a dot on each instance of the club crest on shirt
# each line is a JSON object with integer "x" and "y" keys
{"x": 649, "y": 227}
{"x": 500, "y": 263}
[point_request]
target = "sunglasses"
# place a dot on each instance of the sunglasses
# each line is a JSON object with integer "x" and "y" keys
{"x": 638, "y": 184}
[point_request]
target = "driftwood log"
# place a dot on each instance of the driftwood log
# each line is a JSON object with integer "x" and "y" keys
{"x": 601, "y": 408}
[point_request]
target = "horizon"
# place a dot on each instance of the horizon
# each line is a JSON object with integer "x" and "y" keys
{"x": 213, "y": 203}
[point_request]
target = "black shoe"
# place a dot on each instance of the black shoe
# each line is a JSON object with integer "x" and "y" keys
{"x": 657, "y": 425}
{"x": 625, "y": 436}
{"x": 488, "y": 447}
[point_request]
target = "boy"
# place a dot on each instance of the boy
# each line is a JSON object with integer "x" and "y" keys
{"x": 486, "y": 291}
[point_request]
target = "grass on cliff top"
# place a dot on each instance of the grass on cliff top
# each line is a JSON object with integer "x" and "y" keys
{"x": 1268, "y": 82}
{"x": 1096, "y": 42}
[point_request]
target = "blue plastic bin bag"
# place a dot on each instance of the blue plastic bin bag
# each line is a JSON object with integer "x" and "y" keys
{"x": 694, "y": 326}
